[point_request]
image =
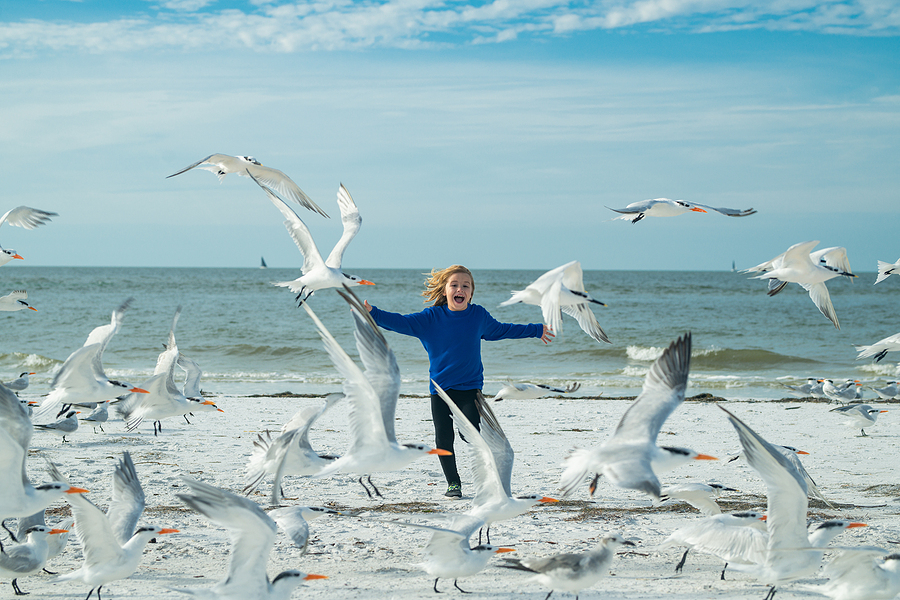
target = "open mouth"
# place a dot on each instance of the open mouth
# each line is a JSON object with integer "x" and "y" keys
{"x": 459, "y": 299}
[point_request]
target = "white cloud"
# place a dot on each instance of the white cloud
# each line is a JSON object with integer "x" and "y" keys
{"x": 300, "y": 26}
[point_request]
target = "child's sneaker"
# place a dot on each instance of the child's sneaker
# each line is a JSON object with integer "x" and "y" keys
{"x": 454, "y": 490}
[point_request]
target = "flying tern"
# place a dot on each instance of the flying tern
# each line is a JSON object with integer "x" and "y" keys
{"x": 880, "y": 348}
{"x": 492, "y": 466}
{"x": 558, "y": 291}
{"x": 14, "y": 301}
{"x": 373, "y": 398}
{"x": 798, "y": 265}
{"x": 81, "y": 379}
{"x": 26, "y": 218}
{"x": 448, "y": 553}
{"x": 630, "y": 458}
{"x": 223, "y": 164}
{"x": 571, "y": 572}
{"x": 663, "y": 207}
{"x": 290, "y": 453}
{"x": 319, "y": 274}
{"x": 294, "y": 521}
{"x": 791, "y": 453}
{"x": 859, "y": 415}
{"x": 28, "y": 557}
{"x": 19, "y": 497}
{"x": 531, "y": 391}
{"x": 864, "y": 573}
{"x": 791, "y": 552}
{"x": 252, "y": 537}
{"x": 886, "y": 269}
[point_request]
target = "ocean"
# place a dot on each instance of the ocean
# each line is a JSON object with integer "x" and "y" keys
{"x": 250, "y": 338}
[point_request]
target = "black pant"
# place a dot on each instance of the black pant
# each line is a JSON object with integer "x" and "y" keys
{"x": 443, "y": 426}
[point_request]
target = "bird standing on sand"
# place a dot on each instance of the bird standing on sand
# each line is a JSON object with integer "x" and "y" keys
{"x": 571, "y": 572}
{"x": 222, "y": 164}
{"x": 28, "y": 557}
{"x": 860, "y": 415}
{"x": 26, "y": 218}
{"x": 19, "y": 384}
{"x": 664, "y": 207}
{"x": 319, "y": 274}
{"x": 63, "y": 426}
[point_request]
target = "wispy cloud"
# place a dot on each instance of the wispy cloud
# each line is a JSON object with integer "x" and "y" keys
{"x": 341, "y": 24}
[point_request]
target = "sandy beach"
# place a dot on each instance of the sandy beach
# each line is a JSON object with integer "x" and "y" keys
{"x": 364, "y": 558}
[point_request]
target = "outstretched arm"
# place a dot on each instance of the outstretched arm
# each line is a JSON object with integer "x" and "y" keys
{"x": 548, "y": 335}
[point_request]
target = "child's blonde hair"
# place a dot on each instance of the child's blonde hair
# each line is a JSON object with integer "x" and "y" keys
{"x": 437, "y": 281}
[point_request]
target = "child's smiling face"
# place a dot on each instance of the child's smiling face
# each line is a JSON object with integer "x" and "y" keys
{"x": 458, "y": 291}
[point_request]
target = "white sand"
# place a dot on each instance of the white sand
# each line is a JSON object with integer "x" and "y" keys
{"x": 367, "y": 559}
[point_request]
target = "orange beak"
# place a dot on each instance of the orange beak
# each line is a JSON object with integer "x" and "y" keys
{"x": 364, "y": 282}
{"x": 17, "y": 256}
{"x": 763, "y": 518}
{"x": 162, "y": 531}
{"x": 881, "y": 411}
{"x": 802, "y": 452}
{"x": 77, "y": 490}
{"x": 501, "y": 550}
{"x": 32, "y": 308}
{"x": 138, "y": 390}
{"x": 311, "y": 576}
{"x": 548, "y": 499}
{"x": 705, "y": 457}
{"x": 52, "y": 531}
{"x": 440, "y": 452}
{"x": 695, "y": 209}
{"x": 856, "y": 525}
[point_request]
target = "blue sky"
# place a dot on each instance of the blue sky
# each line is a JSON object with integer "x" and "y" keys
{"x": 492, "y": 134}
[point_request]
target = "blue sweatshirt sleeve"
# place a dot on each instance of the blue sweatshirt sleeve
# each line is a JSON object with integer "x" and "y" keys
{"x": 412, "y": 324}
{"x": 495, "y": 330}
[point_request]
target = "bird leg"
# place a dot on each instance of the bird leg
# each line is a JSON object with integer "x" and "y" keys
{"x": 548, "y": 595}
{"x": 65, "y": 440}
{"x": 17, "y": 590}
{"x": 50, "y": 572}
{"x": 435, "y": 585}
{"x": 771, "y": 593}
{"x": 593, "y": 487}
{"x": 186, "y": 419}
{"x": 722, "y": 576}
{"x": 375, "y": 489}
{"x": 680, "y": 564}
{"x": 459, "y": 588}
{"x": 863, "y": 432}
{"x": 367, "y": 489}
{"x": 9, "y": 531}
{"x": 155, "y": 425}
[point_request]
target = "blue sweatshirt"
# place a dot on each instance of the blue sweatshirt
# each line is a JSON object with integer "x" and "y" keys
{"x": 452, "y": 340}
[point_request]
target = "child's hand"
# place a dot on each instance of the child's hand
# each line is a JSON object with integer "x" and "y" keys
{"x": 367, "y": 305}
{"x": 548, "y": 335}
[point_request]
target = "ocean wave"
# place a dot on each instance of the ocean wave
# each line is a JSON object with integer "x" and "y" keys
{"x": 18, "y": 361}
{"x": 723, "y": 358}
{"x": 882, "y": 369}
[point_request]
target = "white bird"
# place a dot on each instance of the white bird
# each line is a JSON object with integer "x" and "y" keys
{"x": 290, "y": 453}
{"x": 448, "y": 553}
{"x": 252, "y": 537}
{"x": 798, "y": 264}
{"x": 19, "y": 384}
{"x": 222, "y": 164}
{"x": 531, "y": 391}
{"x": 864, "y": 573}
{"x": 492, "y": 465}
{"x": 99, "y": 415}
{"x": 701, "y": 496}
{"x": 561, "y": 290}
{"x": 791, "y": 453}
{"x": 163, "y": 398}
{"x": 193, "y": 373}
{"x": 663, "y": 207}
{"x": 886, "y": 269}
{"x": 373, "y": 400}
{"x": 15, "y": 301}
{"x": 19, "y": 497}
{"x": 790, "y": 552}
{"x": 55, "y": 544}
{"x": 860, "y": 415}
{"x": 812, "y": 387}
{"x": 880, "y": 348}
{"x": 843, "y": 392}
{"x": 63, "y": 426}
{"x": 28, "y": 557}
{"x": 319, "y": 274}
{"x": 26, "y": 218}
{"x": 571, "y": 572}
{"x": 735, "y": 538}
{"x": 630, "y": 458}
{"x": 889, "y": 391}
{"x": 112, "y": 543}
{"x": 81, "y": 379}
{"x": 294, "y": 521}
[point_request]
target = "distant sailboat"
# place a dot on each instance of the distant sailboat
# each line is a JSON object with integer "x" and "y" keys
{"x": 263, "y": 265}
{"x": 732, "y": 266}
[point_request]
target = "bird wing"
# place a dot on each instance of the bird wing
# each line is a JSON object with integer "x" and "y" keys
{"x": 351, "y": 220}
{"x": 573, "y": 276}
{"x": 635, "y": 207}
{"x": 293, "y": 524}
{"x": 127, "y": 500}
{"x": 211, "y": 159}
{"x": 191, "y": 388}
{"x": 488, "y": 485}
{"x": 587, "y": 321}
{"x": 729, "y": 212}
{"x": 834, "y": 258}
{"x": 166, "y": 361}
{"x": 820, "y": 297}
{"x": 15, "y": 424}
{"x": 26, "y": 217}
{"x": 497, "y": 441}
{"x": 94, "y": 531}
{"x": 366, "y": 424}
{"x": 297, "y": 229}
{"x": 798, "y": 256}
{"x": 283, "y": 185}
{"x": 252, "y": 530}
{"x": 382, "y": 370}
{"x": 104, "y": 333}
{"x": 860, "y": 561}
{"x": 785, "y": 489}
